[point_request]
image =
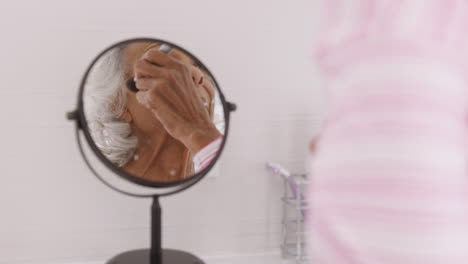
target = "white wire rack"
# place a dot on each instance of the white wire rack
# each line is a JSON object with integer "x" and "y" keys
{"x": 295, "y": 208}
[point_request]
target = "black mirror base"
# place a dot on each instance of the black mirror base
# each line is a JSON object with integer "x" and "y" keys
{"x": 142, "y": 256}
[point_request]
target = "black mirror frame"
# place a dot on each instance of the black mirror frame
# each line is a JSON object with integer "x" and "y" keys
{"x": 79, "y": 116}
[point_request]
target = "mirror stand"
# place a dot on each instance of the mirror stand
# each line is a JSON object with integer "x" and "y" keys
{"x": 155, "y": 255}
{"x": 103, "y": 88}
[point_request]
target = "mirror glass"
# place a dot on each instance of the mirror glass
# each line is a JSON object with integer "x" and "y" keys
{"x": 153, "y": 111}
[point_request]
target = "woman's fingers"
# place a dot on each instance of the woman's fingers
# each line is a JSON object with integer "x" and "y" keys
{"x": 148, "y": 88}
{"x": 145, "y": 84}
{"x": 144, "y": 69}
{"x": 142, "y": 98}
{"x": 313, "y": 145}
{"x": 158, "y": 58}
{"x": 155, "y": 90}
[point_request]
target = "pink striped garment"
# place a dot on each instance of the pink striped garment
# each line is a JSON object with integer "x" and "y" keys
{"x": 205, "y": 156}
{"x": 389, "y": 177}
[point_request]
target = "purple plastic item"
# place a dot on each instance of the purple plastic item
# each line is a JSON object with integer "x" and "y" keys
{"x": 279, "y": 170}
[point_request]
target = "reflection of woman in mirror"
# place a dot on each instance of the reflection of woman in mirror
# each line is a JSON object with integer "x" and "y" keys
{"x": 164, "y": 132}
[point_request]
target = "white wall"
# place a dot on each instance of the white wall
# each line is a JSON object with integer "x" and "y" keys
{"x": 53, "y": 210}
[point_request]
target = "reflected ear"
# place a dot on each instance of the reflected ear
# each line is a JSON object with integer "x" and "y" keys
{"x": 126, "y": 116}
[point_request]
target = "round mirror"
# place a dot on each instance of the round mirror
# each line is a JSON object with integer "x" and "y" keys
{"x": 153, "y": 112}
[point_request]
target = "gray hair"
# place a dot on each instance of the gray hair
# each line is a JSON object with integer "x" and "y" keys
{"x": 105, "y": 100}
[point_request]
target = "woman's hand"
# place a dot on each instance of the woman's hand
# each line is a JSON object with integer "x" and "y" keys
{"x": 313, "y": 145}
{"x": 170, "y": 89}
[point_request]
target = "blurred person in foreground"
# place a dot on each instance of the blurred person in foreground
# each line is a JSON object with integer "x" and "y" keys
{"x": 389, "y": 178}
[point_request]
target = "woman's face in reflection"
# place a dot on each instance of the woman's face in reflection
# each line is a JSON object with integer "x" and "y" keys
{"x": 138, "y": 115}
